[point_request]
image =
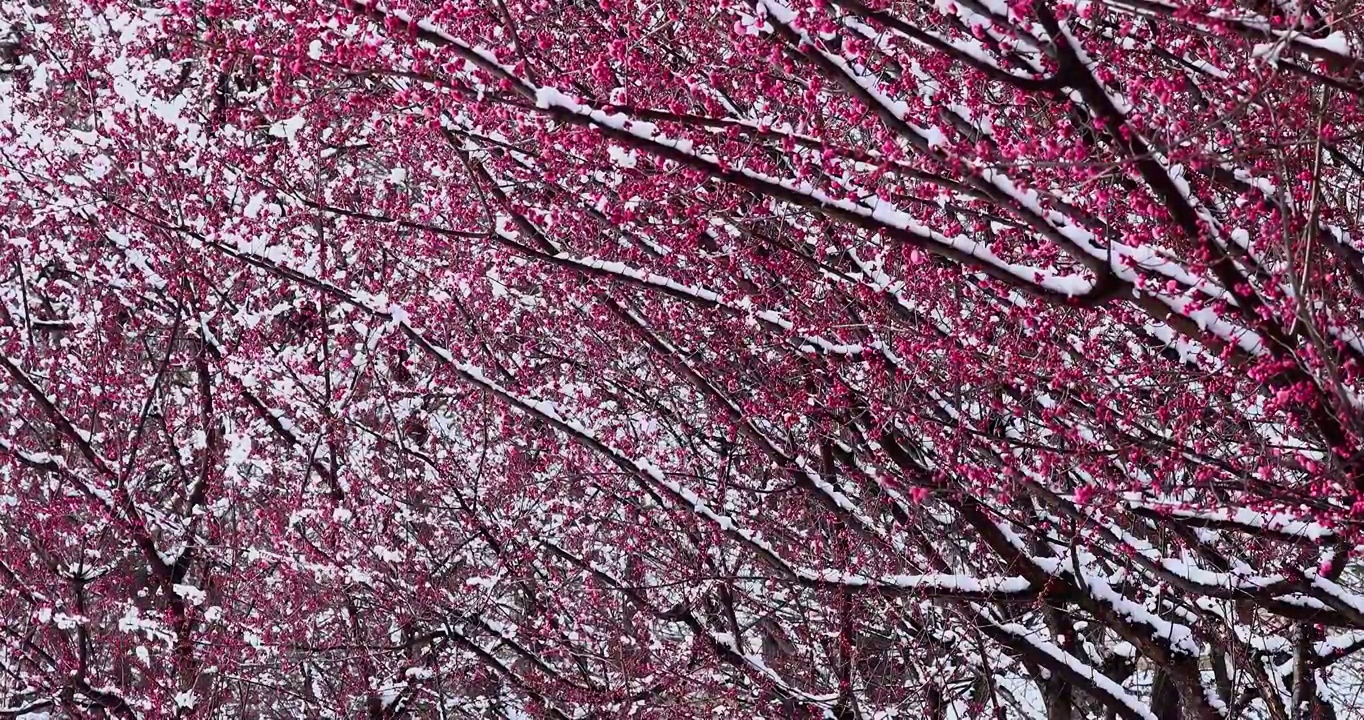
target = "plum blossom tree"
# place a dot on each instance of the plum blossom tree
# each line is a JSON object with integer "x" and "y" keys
{"x": 681, "y": 358}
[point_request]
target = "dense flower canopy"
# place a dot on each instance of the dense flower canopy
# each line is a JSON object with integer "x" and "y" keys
{"x": 681, "y": 359}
